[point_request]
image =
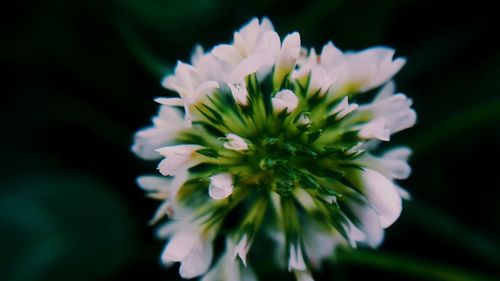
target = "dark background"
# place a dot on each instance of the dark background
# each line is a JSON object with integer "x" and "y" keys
{"x": 79, "y": 78}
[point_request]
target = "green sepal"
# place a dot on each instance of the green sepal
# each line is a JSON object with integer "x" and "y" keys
{"x": 309, "y": 182}
{"x": 337, "y": 219}
{"x": 210, "y": 118}
{"x": 208, "y": 152}
{"x": 306, "y": 151}
{"x": 267, "y": 163}
{"x": 312, "y": 137}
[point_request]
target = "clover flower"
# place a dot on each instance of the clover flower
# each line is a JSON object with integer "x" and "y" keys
{"x": 273, "y": 146}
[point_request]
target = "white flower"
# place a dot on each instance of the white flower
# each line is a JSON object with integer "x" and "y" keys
{"x": 288, "y": 55}
{"x": 165, "y": 189}
{"x": 395, "y": 108}
{"x": 227, "y": 269}
{"x": 382, "y": 196}
{"x": 235, "y": 142}
{"x": 361, "y": 71}
{"x": 178, "y": 158}
{"x": 241, "y": 250}
{"x": 296, "y": 261}
{"x": 221, "y": 186}
{"x": 286, "y": 128}
{"x": 343, "y": 108}
{"x": 164, "y": 130}
{"x": 190, "y": 86}
{"x": 284, "y": 100}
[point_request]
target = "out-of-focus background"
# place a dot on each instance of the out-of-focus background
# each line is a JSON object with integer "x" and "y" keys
{"x": 79, "y": 78}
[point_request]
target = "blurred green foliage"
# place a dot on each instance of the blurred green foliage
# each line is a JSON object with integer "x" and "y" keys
{"x": 80, "y": 78}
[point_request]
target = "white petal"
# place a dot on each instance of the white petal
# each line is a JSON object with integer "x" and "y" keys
{"x": 170, "y": 101}
{"x": 388, "y": 90}
{"x": 184, "y": 149}
{"x": 385, "y": 74}
{"x": 375, "y": 129}
{"x": 166, "y": 127}
{"x": 249, "y": 35}
{"x": 382, "y": 196}
{"x": 239, "y": 92}
{"x": 284, "y": 99}
{"x": 153, "y": 183}
{"x": 403, "y": 193}
{"x": 198, "y": 260}
{"x": 341, "y": 106}
{"x": 319, "y": 243}
{"x": 146, "y": 141}
{"x": 331, "y": 55}
{"x": 235, "y": 142}
{"x": 266, "y": 24}
{"x": 399, "y": 153}
{"x": 396, "y": 108}
{"x": 393, "y": 164}
{"x": 385, "y": 67}
{"x": 246, "y": 67}
{"x": 168, "y": 116}
{"x": 304, "y": 120}
{"x": 177, "y": 158}
{"x": 241, "y": 250}
{"x": 169, "y": 166}
{"x": 368, "y": 224}
{"x": 290, "y": 51}
{"x": 320, "y": 80}
{"x": 296, "y": 260}
{"x": 354, "y": 235}
{"x": 343, "y": 109}
{"x": 227, "y": 53}
{"x": 269, "y": 45}
{"x": 221, "y": 186}
{"x": 179, "y": 246}
{"x": 395, "y": 169}
{"x": 203, "y": 90}
{"x": 161, "y": 212}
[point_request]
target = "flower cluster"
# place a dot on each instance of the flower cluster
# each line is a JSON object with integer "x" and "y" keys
{"x": 266, "y": 144}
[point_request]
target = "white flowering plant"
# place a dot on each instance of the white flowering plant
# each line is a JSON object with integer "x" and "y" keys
{"x": 266, "y": 142}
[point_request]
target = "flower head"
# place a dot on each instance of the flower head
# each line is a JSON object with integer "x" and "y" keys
{"x": 276, "y": 137}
